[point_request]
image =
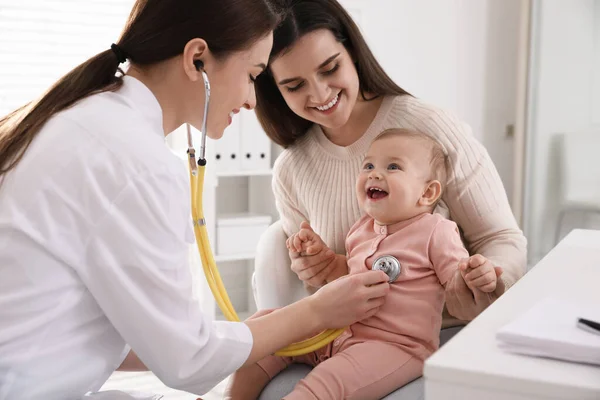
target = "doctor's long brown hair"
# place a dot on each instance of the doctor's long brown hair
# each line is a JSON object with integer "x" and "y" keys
{"x": 155, "y": 31}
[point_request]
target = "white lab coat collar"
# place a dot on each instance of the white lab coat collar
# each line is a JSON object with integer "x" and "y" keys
{"x": 141, "y": 98}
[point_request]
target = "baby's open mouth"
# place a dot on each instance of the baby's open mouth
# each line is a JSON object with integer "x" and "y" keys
{"x": 376, "y": 193}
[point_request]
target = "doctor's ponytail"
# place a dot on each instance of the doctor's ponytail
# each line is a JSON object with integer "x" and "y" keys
{"x": 156, "y": 30}
{"x": 18, "y": 129}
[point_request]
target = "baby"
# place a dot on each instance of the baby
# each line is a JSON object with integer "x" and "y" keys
{"x": 400, "y": 183}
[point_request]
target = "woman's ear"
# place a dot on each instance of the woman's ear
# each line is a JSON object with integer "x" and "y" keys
{"x": 195, "y": 50}
{"x": 431, "y": 194}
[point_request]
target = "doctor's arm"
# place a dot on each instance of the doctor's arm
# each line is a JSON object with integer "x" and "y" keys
{"x": 136, "y": 268}
{"x": 337, "y": 305}
{"x": 304, "y": 318}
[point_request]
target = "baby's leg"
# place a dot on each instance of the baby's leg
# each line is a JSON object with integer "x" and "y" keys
{"x": 368, "y": 370}
{"x": 248, "y": 382}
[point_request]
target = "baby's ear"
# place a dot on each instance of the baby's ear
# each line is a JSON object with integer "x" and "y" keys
{"x": 431, "y": 194}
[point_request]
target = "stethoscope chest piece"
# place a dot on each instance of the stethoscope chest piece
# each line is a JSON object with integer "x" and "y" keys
{"x": 388, "y": 264}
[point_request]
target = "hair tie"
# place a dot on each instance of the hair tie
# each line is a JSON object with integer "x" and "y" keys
{"x": 121, "y": 56}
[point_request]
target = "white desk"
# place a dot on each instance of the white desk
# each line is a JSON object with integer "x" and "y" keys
{"x": 471, "y": 366}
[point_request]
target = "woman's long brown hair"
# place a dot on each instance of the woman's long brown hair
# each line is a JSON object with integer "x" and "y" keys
{"x": 280, "y": 123}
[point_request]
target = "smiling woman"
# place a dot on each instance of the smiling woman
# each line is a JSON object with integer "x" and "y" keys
{"x": 321, "y": 69}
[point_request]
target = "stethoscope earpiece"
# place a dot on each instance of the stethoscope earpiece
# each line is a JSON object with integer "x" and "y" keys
{"x": 199, "y": 65}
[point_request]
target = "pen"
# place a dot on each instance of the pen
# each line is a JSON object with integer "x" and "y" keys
{"x": 588, "y": 325}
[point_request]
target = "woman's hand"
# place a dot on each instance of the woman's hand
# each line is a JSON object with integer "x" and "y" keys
{"x": 350, "y": 298}
{"x": 313, "y": 261}
{"x": 465, "y": 303}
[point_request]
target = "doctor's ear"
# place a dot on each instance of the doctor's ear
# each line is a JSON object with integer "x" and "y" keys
{"x": 194, "y": 58}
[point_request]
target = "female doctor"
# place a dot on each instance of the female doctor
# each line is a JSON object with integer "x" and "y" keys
{"x": 94, "y": 214}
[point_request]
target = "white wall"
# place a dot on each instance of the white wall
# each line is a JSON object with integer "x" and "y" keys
{"x": 561, "y": 99}
{"x": 457, "y": 54}
{"x": 41, "y": 40}
{"x": 499, "y": 88}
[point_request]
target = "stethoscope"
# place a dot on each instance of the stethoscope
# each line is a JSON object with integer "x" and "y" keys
{"x": 388, "y": 264}
{"x": 197, "y": 170}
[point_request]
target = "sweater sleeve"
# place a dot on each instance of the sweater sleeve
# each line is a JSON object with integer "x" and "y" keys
{"x": 286, "y": 201}
{"x": 475, "y": 195}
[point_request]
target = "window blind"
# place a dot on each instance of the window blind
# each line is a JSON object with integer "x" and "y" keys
{"x": 42, "y": 40}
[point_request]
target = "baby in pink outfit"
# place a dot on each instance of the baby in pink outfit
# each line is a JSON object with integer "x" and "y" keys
{"x": 398, "y": 188}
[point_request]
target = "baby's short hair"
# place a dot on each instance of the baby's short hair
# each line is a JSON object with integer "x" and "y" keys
{"x": 439, "y": 160}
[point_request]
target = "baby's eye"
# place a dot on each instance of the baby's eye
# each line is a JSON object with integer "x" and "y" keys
{"x": 394, "y": 167}
{"x": 368, "y": 166}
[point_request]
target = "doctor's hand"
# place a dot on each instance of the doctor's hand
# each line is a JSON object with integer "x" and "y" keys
{"x": 465, "y": 303}
{"x": 311, "y": 259}
{"x": 350, "y": 298}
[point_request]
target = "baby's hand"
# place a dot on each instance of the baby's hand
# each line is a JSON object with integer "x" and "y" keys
{"x": 306, "y": 241}
{"x": 478, "y": 273}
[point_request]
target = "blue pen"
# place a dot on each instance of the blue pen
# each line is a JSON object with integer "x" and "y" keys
{"x": 588, "y": 325}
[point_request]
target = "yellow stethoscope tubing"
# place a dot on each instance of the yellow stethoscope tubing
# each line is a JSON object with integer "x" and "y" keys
{"x": 215, "y": 282}
{"x": 211, "y": 272}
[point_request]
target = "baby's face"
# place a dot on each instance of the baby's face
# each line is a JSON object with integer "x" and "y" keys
{"x": 393, "y": 178}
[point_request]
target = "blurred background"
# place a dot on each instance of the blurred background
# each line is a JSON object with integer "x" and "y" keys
{"x": 525, "y": 74}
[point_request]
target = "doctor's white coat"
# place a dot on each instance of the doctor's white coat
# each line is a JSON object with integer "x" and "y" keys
{"x": 94, "y": 234}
